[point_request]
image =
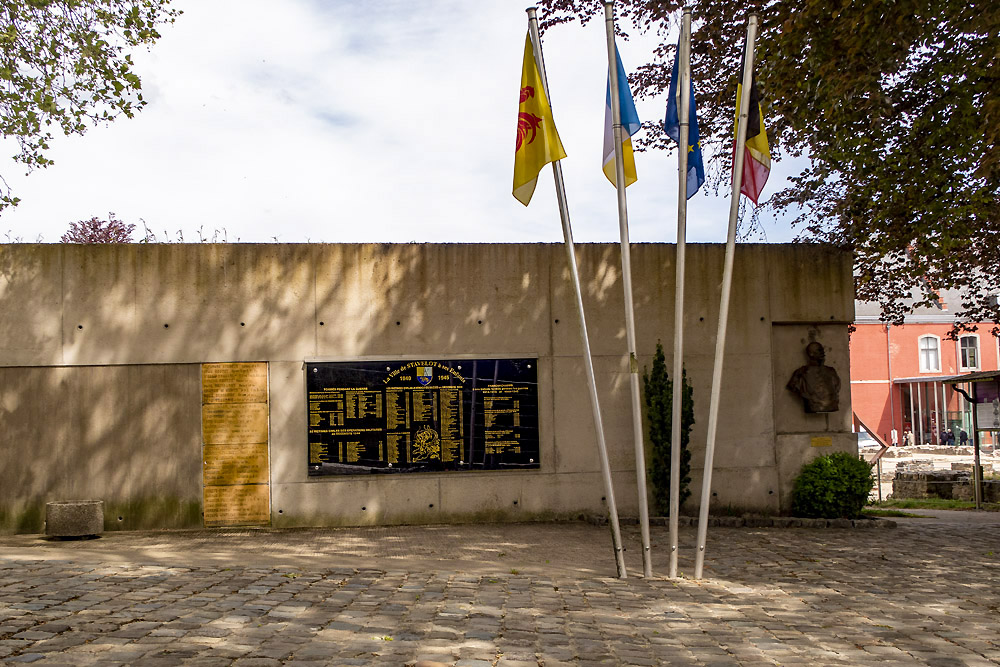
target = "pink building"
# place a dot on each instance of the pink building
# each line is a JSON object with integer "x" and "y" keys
{"x": 897, "y": 372}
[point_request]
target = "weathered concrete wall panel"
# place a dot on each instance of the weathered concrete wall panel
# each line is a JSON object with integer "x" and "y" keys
{"x": 123, "y": 434}
{"x": 101, "y": 346}
{"x": 31, "y": 297}
{"x": 807, "y": 285}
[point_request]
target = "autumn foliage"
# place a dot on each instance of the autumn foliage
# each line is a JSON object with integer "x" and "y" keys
{"x": 96, "y": 230}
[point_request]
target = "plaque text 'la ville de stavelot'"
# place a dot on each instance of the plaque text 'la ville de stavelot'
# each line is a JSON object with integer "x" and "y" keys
{"x": 422, "y": 416}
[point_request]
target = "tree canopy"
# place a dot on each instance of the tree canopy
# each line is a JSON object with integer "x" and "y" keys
{"x": 65, "y": 65}
{"x": 896, "y": 106}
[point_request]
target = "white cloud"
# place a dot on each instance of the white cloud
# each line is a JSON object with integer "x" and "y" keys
{"x": 347, "y": 121}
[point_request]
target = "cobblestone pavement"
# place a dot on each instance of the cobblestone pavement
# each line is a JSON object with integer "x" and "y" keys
{"x": 926, "y": 592}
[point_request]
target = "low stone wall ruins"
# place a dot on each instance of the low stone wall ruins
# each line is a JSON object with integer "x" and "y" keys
{"x": 947, "y": 484}
{"x": 897, "y": 452}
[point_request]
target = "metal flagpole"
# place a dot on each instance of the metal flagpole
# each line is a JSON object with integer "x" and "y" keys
{"x": 683, "y": 118}
{"x": 977, "y": 477}
{"x": 633, "y": 362}
{"x": 609, "y": 490}
{"x": 727, "y": 281}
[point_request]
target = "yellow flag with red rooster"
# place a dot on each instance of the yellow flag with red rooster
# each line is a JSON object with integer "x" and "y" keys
{"x": 537, "y": 139}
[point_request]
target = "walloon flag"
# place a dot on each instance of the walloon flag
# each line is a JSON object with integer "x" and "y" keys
{"x": 537, "y": 139}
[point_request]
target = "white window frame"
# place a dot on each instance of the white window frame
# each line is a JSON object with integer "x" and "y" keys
{"x": 979, "y": 354}
{"x": 924, "y": 367}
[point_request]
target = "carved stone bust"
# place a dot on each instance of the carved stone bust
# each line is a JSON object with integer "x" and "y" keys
{"x": 817, "y": 384}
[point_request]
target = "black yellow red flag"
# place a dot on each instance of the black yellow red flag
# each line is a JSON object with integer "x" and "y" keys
{"x": 757, "y": 154}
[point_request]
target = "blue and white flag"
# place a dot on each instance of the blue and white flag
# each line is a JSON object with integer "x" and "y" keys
{"x": 630, "y": 125}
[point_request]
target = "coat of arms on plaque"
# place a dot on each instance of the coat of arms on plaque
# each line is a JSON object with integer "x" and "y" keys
{"x": 424, "y": 375}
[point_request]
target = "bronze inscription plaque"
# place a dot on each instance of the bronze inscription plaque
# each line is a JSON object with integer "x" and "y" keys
{"x": 235, "y": 464}
{"x": 234, "y": 383}
{"x": 234, "y": 423}
{"x": 234, "y": 427}
{"x": 239, "y": 505}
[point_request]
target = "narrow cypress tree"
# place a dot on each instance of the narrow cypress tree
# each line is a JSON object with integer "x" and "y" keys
{"x": 659, "y": 395}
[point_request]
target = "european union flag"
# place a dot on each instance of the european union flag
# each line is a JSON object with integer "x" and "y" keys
{"x": 695, "y": 166}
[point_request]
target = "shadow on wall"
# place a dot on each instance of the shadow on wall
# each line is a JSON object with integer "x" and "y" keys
{"x": 124, "y": 434}
{"x": 101, "y": 346}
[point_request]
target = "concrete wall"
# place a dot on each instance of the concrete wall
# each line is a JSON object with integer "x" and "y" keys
{"x": 101, "y": 346}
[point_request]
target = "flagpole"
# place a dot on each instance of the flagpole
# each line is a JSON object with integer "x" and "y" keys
{"x": 683, "y": 118}
{"x": 727, "y": 280}
{"x": 633, "y": 362}
{"x": 609, "y": 490}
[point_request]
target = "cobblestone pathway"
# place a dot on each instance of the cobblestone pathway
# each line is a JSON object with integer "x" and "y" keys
{"x": 926, "y": 592}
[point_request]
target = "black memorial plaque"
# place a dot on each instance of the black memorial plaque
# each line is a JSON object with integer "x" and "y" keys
{"x": 422, "y": 416}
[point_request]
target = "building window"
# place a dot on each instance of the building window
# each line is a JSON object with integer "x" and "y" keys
{"x": 968, "y": 353}
{"x": 930, "y": 354}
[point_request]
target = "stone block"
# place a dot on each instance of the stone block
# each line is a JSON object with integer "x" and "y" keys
{"x": 815, "y": 523}
{"x": 787, "y": 522}
{"x": 74, "y": 518}
{"x": 758, "y": 522}
{"x": 726, "y": 521}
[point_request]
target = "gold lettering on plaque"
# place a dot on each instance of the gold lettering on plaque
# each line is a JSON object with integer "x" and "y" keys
{"x": 234, "y": 383}
{"x": 234, "y": 423}
{"x": 240, "y": 505}
{"x": 234, "y": 430}
{"x": 235, "y": 464}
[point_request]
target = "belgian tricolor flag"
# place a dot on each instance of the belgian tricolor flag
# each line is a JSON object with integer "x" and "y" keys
{"x": 757, "y": 155}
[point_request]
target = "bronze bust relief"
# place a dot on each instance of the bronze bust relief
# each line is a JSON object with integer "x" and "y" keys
{"x": 817, "y": 384}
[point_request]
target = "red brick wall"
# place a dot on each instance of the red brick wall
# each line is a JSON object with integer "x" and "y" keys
{"x": 874, "y": 348}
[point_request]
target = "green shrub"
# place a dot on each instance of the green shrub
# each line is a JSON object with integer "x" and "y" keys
{"x": 834, "y": 486}
{"x": 659, "y": 394}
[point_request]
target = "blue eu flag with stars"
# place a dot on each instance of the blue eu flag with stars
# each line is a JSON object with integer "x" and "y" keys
{"x": 695, "y": 166}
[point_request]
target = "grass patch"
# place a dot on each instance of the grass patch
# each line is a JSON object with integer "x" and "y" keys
{"x": 931, "y": 504}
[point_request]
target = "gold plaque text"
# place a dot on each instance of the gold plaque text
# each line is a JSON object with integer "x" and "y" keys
{"x": 234, "y": 423}
{"x": 242, "y": 505}
{"x": 234, "y": 383}
{"x": 235, "y": 464}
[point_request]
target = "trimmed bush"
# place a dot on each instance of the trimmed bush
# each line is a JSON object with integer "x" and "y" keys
{"x": 659, "y": 393}
{"x": 834, "y": 486}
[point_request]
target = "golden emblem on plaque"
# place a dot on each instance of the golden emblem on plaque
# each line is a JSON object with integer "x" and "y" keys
{"x": 426, "y": 444}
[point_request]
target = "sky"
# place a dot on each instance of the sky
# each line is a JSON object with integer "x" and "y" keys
{"x": 338, "y": 121}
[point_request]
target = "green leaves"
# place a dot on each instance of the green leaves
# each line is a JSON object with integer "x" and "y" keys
{"x": 896, "y": 105}
{"x": 833, "y": 486}
{"x": 658, "y": 392}
{"x": 66, "y": 63}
